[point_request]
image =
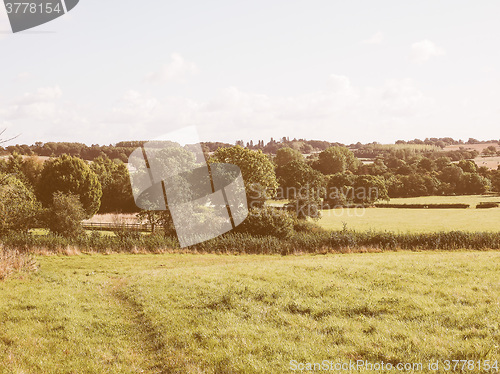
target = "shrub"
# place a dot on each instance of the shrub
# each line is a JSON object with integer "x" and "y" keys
{"x": 424, "y": 206}
{"x": 65, "y": 215}
{"x": 19, "y": 209}
{"x": 486, "y": 205}
{"x": 268, "y": 221}
{"x": 306, "y": 226}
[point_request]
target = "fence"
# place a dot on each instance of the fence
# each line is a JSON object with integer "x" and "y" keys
{"x": 103, "y": 226}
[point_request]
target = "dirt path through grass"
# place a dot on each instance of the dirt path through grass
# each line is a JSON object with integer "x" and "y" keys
{"x": 149, "y": 341}
{"x": 215, "y": 314}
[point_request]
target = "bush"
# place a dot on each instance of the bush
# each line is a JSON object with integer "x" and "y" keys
{"x": 19, "y": 209}
{"x": 424, "y": 206}
{"x": 486, "y": 205}
{"x": 307, "y": 226}
{"x": 268, "y": 221}
{"x": 300, "y": 242}
{"x": 65, "y": 215}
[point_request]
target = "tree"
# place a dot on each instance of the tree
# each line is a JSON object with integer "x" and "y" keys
{"x": 442, "y": 162}
{"x": 286, "y": 155}
{"x": 495, "y": 180}
{"x": 65, "y": 215}
{"x": 303, "y": 186}
{"x": 336, "y": 160}
{"x": 70, "y": 175}
{"x": 426, "y": 164}
{"x": 453, "y": 176}
{"x": 297, "y": 175}
{"x": 19, "y": 208}
{"x": 115, "y": 181}
{"x": 378, "y": 167}
{"x": 339, "y": 189}
{"x": 474, "y": 184}
{"x": 467, "y": 166}
{"x": 368, "y": 189}
{"x": 490, "y": 151}
{"x": 257, "y": 171}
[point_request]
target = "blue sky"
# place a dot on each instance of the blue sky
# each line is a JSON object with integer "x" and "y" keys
{"x": 333, "y": 70}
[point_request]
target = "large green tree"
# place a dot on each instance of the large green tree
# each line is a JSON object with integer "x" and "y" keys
{"x": 336, "y": 160}
{"x": 19, "y": 208}
{"x": 257, "y": 171}
{"x": 474, "y": 184}
{"x": 368, "y": 189}
{"x": 115, "y": 181}
{"x": 339, "y": 189}
{"x": 303, "y": 186}
{"x": 70, "y": 175}
{"x": 286, "y": 155}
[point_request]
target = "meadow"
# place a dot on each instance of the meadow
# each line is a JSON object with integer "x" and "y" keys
{"x": 418, "y": 220}
{"x": 248, "y": 314}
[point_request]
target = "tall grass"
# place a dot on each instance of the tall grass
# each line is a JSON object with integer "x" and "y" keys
{"x": 12, "y": 261}
{"x": 300, "y": 242}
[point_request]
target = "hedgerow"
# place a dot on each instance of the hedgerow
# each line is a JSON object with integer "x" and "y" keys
{"x": 299, "y": 242}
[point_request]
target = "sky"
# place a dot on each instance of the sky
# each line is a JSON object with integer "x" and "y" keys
{"x": 342, "y": 71}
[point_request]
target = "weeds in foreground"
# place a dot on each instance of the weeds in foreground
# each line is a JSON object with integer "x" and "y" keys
{"x": 12, "y": 261}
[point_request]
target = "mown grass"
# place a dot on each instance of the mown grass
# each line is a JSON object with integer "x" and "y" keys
{"x": 418, "y": 220}
{"x": 412, "y": 220}
{"x": 248, "y": 314}
{"x": 472, "y": 200}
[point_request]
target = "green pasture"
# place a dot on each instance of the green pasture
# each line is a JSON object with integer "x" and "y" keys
{"x": 417, "y": 220}
{"x": 247, "y": 314}
{"x": 472, "y": 200}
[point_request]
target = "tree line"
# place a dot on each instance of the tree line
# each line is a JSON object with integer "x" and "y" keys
{"x": 66, "y": 189}
{"x": 122, "y": 150}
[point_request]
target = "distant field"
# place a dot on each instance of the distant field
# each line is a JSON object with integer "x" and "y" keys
{"x": 477, "y": 147}
{"x": 42, "y": 158}
{"x": 118, "y": 218}
{"x": 472, "y": 200}
{"x": 417, "y": 220}
{"x": 489, "y": 162}
{"x": 414, "y": 147}
{"x": 248, "y": 314}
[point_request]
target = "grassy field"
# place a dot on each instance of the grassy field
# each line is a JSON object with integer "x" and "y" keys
{"x": 490, "y": 162}
{"x": 472, "y": 200}
{"x": 248, "y": 314}
{"x": 418, "y": 220}
{"x": 412, "y": 220}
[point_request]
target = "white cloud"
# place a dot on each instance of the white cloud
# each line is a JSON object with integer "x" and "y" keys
{"x": 376, "y": 38}
{"x": 44, "y": 115}
{"x": 422, "y": 51}
{"x": 339, "y": 82}
{"x": 341, "y": 111}
{"x": 43, "y": 94}
{"x": 176, "y": 70}
{"x": 43, "y": 104}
